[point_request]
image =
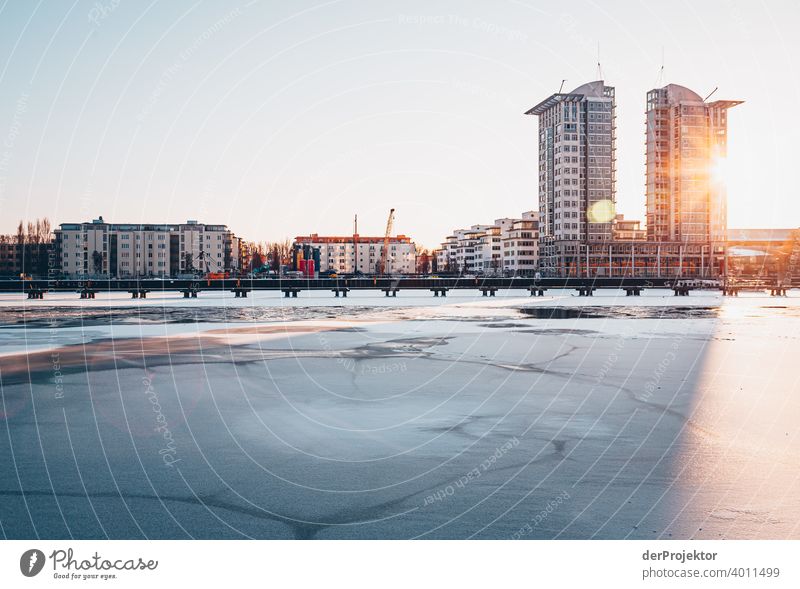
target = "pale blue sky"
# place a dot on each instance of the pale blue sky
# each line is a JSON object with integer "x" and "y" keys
{"x": 283, "y": 118}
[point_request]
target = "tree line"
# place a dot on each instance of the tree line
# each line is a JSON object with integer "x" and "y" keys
{"x": 28, "y": 250}
{"x": 270, "y": 254}
{"x": 39, "y": 231}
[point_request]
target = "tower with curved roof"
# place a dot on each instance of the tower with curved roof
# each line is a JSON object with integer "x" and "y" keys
{"x": 686, "y": 142}
{"x": 577, "y": 175}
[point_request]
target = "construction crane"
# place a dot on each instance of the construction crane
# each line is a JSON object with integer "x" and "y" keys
{"x": 385, "y": 252}
{"x": 205, "y": 267}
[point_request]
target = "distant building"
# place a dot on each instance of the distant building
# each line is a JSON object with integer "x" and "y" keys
{"x": 29, "y": 258}
{"x": 8, "y": 257}
{"x": 466, "y": 250}
{"x": 245, "y": 253}
{"x": 628, "y": 229}
{"x": 764, "y": 253}
{"x": 357, "y": 253}
{"x": 469, "y": 250}
{"x": 754, "y": 237}
{"x": 508, "y": 246}
{"x": 141, "y": 250}
{"x": 521, "y": 245}
{"x": 28, "y": 251}
{"x": 577, "y": 174}
{"x": 445, "y": 255}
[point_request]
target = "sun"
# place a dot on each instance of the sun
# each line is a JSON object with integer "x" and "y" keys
{"x": 720, "y": 170}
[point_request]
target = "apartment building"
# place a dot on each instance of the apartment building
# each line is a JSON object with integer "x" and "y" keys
{"x": 359, "y": 254}
{"x": 116, "y": 250}
{"x": 508, "y": 246}
{"x": 488, "y": 251}
{"x": 446, "y": 254}
{"x": 628, "y": 229}
{"x": 28, "y": 251}
{"x": 468, "y": 255}
{"x": 577, "y": 173}
{"x": 520, "y": 245}
{"x": 686, "y": 144}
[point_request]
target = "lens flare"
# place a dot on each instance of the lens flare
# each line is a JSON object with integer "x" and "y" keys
{"x": 601, "y": 212}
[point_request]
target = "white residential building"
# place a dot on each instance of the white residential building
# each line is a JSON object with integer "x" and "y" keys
{"x": 488, "y": 251}
{"x": 446, "y": 256}
{"x": 521, "y": 245}
{"x": 507, "y": 246}
{"x": 141, "y": 250}
{"x": 468, "y": 243}
{"x": 358, "y": 254}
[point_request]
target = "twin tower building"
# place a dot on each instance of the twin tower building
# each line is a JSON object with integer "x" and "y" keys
{"x": 686, "y": 210}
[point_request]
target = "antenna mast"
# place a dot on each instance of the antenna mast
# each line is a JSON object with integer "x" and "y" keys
{"x": 599, "y": 69}
{"x": 660, "y": 79}
{"x": 710, "y": 95}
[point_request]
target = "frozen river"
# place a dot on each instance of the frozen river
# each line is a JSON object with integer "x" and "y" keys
{"x": 408, "y": 417}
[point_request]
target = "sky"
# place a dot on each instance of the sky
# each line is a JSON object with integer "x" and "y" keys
{"x": 288, "y": 118}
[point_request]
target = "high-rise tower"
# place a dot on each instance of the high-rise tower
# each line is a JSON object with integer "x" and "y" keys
{"x": 577, "y": 174}
{"x": 686, "y": 149}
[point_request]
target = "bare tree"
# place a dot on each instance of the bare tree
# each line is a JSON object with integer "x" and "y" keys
{"x": 423, "y": 261}
{"x": 97, "y": 262}
{"x": 285, "y": 249}
{"x": 276, "y": 259}
{"x": 256, "y": 261}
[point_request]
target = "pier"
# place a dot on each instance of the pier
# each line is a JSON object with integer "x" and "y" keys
{"x": 390, "y": 286}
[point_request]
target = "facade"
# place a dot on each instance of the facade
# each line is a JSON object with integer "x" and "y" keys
{"x": 9, "y": 264}
{"x": 520, "y": 245}
{"x": 464, "y": 250}
{"x": 628, "y": 229}
{"x": 468, "y": 249}
{"x": 488, "y": 251}
{"x": 446, "y": 254}
{"x": 686, "y": 143}
{"x": 245, "y": 252}
{"x": 508, "y": 246}
{"x": 458, "y": 251}
{"x": 686, "y": 146}
{"x": 577, "y": 174}
{"x": 27, "y": 258}
{"x": 764, "y": 253}
{"x": 358, "y": 254}
{"x": 646, "y": 259}
{"x": 142, "y": 250}
{"x": 580, "y": 234}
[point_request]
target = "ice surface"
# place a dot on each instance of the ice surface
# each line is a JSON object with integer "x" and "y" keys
{"x": 408, "y": 417}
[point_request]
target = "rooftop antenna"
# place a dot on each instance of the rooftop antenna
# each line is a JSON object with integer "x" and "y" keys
{"x": 710, "y": 95}
{"x": 355, "y": 224}
{"x": 560, "y": 88}
{"x": 661, "y": 71}
{"x": 599, "y": 69}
